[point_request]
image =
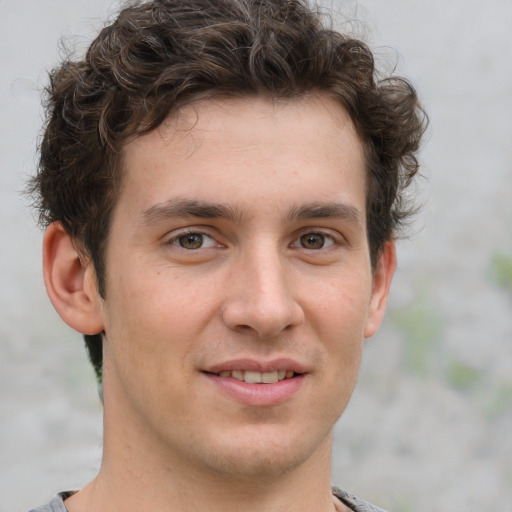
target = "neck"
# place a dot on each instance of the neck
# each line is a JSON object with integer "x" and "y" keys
{"x": 153, "y": 484}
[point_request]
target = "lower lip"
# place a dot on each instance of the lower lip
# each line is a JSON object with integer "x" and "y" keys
{"x": 257, "y": 395}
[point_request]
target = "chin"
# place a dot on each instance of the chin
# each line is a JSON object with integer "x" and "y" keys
{"x": 254, "y": 467}
{"x": 265, "y": 455}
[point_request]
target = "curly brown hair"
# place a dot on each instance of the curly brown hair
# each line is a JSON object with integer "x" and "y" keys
{"x": 160, "y": 55}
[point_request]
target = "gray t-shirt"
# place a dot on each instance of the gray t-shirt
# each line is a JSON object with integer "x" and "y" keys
{"x": 353, "y": 502}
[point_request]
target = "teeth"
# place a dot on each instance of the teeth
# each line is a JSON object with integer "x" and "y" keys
{"x": 269, "y": 377}
{"x": 237, "y": 374}
{"x": 253, "y": 377}
{"x": 257, "y": 377}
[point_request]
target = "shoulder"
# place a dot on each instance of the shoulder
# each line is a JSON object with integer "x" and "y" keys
{"x": 57, "y": 503}
{"x": 354, "y": 503}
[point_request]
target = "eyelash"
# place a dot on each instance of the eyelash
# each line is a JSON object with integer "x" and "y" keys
{"x": 175, "y": 241}
{"x": 326, "y": 238}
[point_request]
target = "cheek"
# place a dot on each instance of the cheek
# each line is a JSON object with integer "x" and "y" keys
{"x": 156, "y": 310}
{"x": 340, "y": 319}
{"x": 148, "y": 338}
{"x": 342, "y": 307}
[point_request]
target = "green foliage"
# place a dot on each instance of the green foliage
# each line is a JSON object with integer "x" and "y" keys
{"x": 501, "y": 401}
{"x": 501, "y": 270}
{"x": 405, "y": 504}
{"x": 421, "y": 328}
{"x": 462, "y": 377}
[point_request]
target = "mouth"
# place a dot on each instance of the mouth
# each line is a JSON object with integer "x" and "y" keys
{"x": 260, "y": 385}
{"x": 255, "y": 377}
{"x": 253, "y": 382}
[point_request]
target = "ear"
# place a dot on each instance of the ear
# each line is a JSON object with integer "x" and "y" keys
{"x": 70, "y": 282}
{"x": 382, "y": 278}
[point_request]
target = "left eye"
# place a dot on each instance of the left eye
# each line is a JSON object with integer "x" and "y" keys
{"x": 314, "y": 241}
{"x": 193, "y": 241}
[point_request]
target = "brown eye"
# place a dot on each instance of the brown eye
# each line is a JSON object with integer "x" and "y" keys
{"x": 312, "y": 241}
{"x": 191, "y": 241}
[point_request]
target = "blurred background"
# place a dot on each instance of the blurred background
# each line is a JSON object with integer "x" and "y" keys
{"x": 430, "y": 424}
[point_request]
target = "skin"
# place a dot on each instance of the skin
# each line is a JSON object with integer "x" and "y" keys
{"x": 277, "y": 268}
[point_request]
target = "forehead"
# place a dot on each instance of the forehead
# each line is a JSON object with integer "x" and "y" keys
{"x": 253, "y": 147}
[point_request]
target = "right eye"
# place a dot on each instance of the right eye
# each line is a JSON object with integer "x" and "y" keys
{"x": 193, "y": 241}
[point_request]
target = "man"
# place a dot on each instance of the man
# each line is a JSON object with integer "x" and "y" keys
{"x": 221, "y": 184}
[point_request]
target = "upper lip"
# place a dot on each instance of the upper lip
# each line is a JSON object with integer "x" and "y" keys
{"x": 255, "y": 365}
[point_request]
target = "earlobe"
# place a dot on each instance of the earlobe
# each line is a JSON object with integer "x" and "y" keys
{"x": 71, "y": 282}
{"x": 382, "y": 278}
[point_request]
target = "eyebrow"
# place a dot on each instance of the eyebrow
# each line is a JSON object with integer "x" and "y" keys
{"x": 179, "y": 208}
{"x": 182, "y": 208}
{"x": 342, "y": 211}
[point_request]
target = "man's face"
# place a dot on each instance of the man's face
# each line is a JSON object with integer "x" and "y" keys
{"x": 237, "y": 254}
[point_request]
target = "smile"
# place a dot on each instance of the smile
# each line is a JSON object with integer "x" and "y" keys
{"x": 258, "y": 383}
{"x": 257, "y": 388}
{"x": 253, "y": 377}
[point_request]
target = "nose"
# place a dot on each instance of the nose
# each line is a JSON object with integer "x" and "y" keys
{"x": 259, "y": 295}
